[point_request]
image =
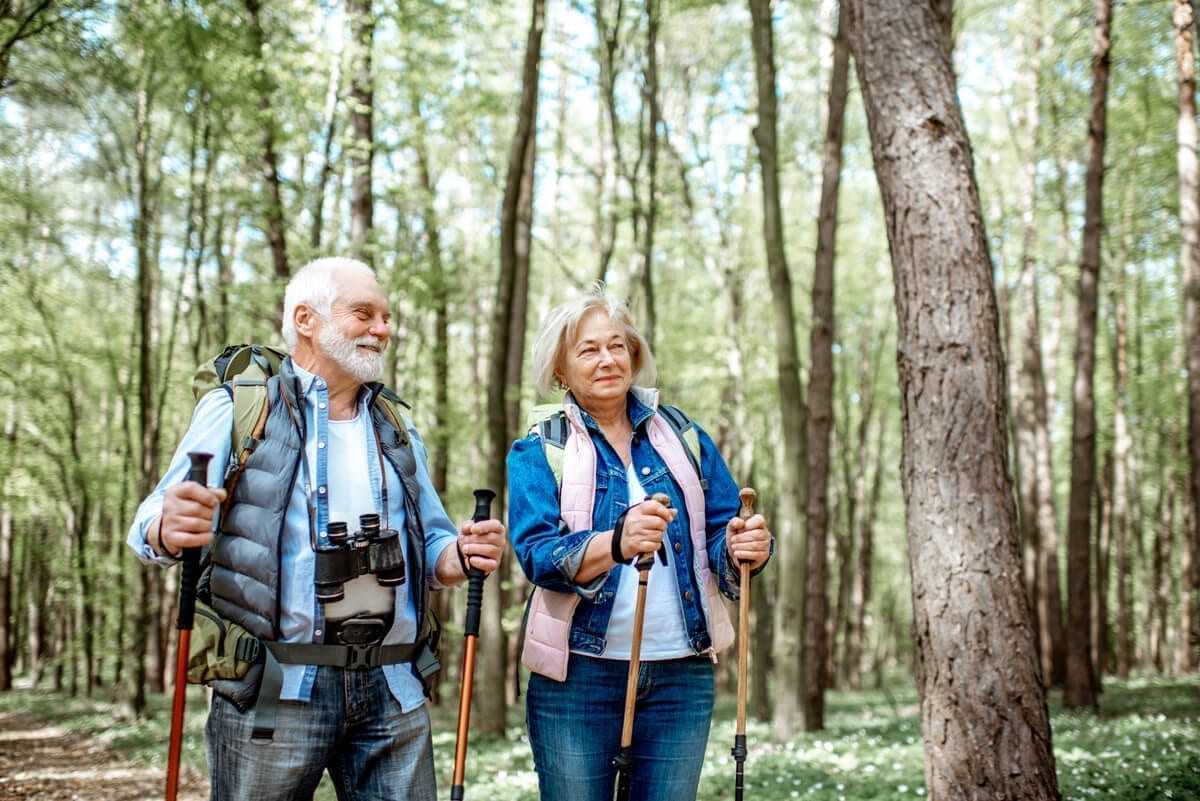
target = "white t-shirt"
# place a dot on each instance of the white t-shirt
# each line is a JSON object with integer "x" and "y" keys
{"x": 350, "y": 495}
{"x": 664, "y": 635}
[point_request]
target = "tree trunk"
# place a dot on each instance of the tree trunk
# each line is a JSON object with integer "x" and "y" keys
{"x": 1082, "y": 684}
{"x": 1121, "y": 465}
{"x": 650, "y": 138}
{"x": 1031, "y": 421}
{"x": 494, "y": 667}
{"x": 607, "y": 208}
{"x": 325, "y": 169}
{"x": 984, "y": 718}
{"x": 362, "y": 147}
{"x": 264, "y": 87}
{"x": 820, "y": 394}
{"x": 1189, "y": 225}
{"x": 789, "y": 602}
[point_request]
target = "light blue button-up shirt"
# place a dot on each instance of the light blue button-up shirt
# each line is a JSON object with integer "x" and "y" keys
{"x": 302, "y": 618}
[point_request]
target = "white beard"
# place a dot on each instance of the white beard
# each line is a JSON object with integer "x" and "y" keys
{"x": 363, "y": 365}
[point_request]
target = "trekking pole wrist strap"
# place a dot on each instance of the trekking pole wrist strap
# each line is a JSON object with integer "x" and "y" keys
{"x": 618, "y": 528}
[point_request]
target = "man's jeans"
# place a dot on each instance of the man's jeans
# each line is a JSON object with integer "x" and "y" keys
{"x": 352, "y": 726}
{"x": 575, "y": 728}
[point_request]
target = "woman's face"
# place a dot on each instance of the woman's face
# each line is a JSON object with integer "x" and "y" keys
{"x": 597, "y": 366}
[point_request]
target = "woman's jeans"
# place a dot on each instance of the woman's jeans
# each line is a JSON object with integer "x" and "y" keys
{"x": 352, "y": 726}
{"x": 575, "y": 728}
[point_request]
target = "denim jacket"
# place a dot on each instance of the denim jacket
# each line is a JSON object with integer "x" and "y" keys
{"x": 550, "y": 554}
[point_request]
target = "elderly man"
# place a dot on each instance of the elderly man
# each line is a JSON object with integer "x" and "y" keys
{"x": 341, "y": 684}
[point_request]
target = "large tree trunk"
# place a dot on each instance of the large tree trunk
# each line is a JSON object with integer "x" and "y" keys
{"x": 362, "y": 147}
{"x": 510, "y": 300}
{"x": 1083, "y": 685}
{"x": 820, "y": 394}
{"x": 983, "y": 708}
{"x": 789, "y": 601}
{"x": 1189, "y": 225}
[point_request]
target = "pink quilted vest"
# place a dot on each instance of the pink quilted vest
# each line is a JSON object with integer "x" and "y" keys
{"x": 548, "y": 627}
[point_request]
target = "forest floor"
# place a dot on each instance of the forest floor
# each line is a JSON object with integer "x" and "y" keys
{"x": 47, "y": 762}
{"x": 55, "y": 747}
{"x": 1144, "y": 744}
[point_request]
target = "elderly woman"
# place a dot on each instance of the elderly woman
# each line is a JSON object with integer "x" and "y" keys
{"x": 610, "y": 448}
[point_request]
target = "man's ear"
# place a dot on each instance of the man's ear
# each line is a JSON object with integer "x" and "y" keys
{"x": 305, "y": 319}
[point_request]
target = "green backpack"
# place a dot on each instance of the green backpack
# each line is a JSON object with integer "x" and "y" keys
{"x": 244, "y": 370}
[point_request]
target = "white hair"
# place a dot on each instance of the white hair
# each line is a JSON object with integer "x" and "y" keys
{"x": 561, "y": 325}
{"x": 316, "y": 285}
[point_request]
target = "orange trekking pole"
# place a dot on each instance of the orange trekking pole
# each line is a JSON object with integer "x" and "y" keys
{"x": 188, "y": 579}
{"x": 624, "y": 759}
{"x": 475, "y": 577}
{"x": 747, "y": 497}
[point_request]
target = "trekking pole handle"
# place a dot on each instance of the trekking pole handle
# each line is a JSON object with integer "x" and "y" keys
{"x": 747, "y": 496}
{"x": 190, "y": 577}
{"x": 646, "y": 560}
{"x": 475, "y": 576}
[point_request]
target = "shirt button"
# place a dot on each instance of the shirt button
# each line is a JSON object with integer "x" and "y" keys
{"x": 320, "y": 490}
{"x": 318, "y": 633}
{"x": 321, "y": 405}
{"x": 645, "y": 471}
{"x": 678, "y": 548}
{"x": 320, "y": 445}
{"x": 687, "y": 596}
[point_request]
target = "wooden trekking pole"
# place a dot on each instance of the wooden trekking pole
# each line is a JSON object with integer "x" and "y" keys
{"x": 189, "y": 577}
{"x": 747, "y": 497}
{"x": 475, "y": 577}
{"x": 624, "y": 759}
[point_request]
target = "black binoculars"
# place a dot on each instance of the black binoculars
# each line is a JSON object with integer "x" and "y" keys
{"x": 371, "y": 550}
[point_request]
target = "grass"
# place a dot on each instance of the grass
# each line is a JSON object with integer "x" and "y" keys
{"x": 1144, "y": 744}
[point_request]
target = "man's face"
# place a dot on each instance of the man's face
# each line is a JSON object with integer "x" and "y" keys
{"x": 355, "y": 334}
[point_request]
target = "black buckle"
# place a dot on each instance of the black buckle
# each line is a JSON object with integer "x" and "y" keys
{"x": 361, "y": 637}
{"x": 362, "y": 657}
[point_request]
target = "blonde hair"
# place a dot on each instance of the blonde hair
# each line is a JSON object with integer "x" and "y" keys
{"x": 561, "y": 325}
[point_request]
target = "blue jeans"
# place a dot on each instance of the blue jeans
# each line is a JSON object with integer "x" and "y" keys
{"x": 575, "y": 728}
{"x": 352, "y": 727}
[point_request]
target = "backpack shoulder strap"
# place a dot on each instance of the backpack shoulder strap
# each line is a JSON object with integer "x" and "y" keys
{"x": 549, "y": 421}
{"x": 683, "y": 426}
{"x": 251, "y": 404}
{"x": 394, "y": 407}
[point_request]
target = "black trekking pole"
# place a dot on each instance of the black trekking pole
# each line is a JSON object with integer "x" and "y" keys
{"x": 747, "y": 497}
{"x": 189, "y": 577}
{"x": 475, "y": 577}
{"x": 623, "y": 762}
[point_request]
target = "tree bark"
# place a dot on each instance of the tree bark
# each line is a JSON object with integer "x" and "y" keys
{"x": 362, "y": 148}
{"x": 1189, "y": 228}
{"x": 984, "y": 718}
{"x": 789, "y": 602}
{"x": 1082, "y": 683}
{"x": 494, "y": 668}
{"x": 264, "y": 87}
{"x": 325, "y": 168}
{"x": 820, "y": 393}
